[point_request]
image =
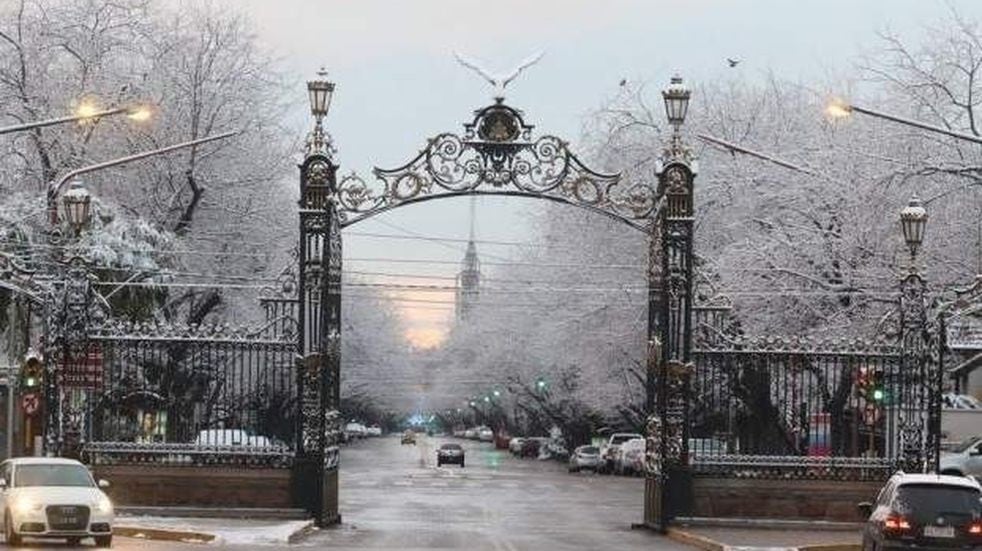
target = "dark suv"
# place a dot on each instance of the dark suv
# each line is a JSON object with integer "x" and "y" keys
{"x": 450, "y": 453}
{"x": 924, "y": 512}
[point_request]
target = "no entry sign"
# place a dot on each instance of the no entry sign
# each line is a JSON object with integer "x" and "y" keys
{"x": 31, "y": 403}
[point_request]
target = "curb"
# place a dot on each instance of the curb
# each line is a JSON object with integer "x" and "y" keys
{"x": 709, "y": 544}
{"x": 699, "y": 542}
{"x": 831, "y": 547}
{"x": 159, "y": 534}
{"x": 301, "y": 533}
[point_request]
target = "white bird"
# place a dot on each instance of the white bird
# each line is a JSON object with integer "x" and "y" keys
{"x": 499, "y": 81}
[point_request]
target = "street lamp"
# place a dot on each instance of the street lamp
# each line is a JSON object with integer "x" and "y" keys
{"x": 676, "y": 98}
{"x": 83, "y": 113}
{"x": 497, "y": 393}
{"x": 839, "y": 109}
{"x": 77, "y": 205}
{"x": 320, "y": 92}
{"x": 913, "y": 220}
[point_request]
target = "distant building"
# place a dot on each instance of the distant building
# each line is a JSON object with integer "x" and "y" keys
{"x": 469, "y": 278}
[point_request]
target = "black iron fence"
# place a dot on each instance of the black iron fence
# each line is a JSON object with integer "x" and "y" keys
{"x": 797, "y": 408}
{"x": 181, "y": 395}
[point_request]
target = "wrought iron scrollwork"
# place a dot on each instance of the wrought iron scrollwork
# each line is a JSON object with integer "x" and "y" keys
{"x": 497, "y": 154}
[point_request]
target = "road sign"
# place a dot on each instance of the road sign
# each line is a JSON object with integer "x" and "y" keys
{"x": 82, "y": 371}
{"x": 31, "y": 403}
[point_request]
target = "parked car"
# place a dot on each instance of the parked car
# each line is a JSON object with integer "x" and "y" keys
{"x": 47, "y": 497}
{"x": 484, "y": 434}
{"x": 965, "y": 459}
{"x": 584, "y": 457}
{"x": 959, "y": 401}
{"x": 702, "y": 447}
{"x": 373, "y": 430}
{"x": 450, "y": 453}
{"x": 409, "y": 437}
{"x": 629, "y": 457}
{"x": 470, "y": 433}
{"x": 354, "y": 431}
{"x": 924, "y": 511}
{"x": 532, "y": 447}
{"x": 515, "y": 445}
{"x": 231, "y": 437}
{"x": 608, "y": 452}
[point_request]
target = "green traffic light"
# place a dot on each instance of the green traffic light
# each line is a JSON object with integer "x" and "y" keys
{"x": 30, "y": 381}
{"x": 878, "y": 394}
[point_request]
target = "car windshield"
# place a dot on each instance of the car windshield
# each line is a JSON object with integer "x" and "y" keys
{"x": 52, "y": 475}
{"x": 965, "y": 444}
{"x": 925, "y": 502}
{"x": 589, "y": 449}
{"x": 450, "y": 447}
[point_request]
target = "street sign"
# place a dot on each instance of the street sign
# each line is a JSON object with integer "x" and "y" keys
{"x": 30, "y": 403}
{"x": 82, "y": 371}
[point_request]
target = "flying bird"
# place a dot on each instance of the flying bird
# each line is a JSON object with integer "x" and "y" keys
{"x": 732, "y": 62}
{"x": 499, "y": 81}
{"x": 623, "y": 82}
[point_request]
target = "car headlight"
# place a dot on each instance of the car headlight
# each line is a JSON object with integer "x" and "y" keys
{"x": 26, "y": 505}
{"x": 103, "y": 505}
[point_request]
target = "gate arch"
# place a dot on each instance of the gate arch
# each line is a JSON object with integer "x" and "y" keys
{"x": 497, "y": 154}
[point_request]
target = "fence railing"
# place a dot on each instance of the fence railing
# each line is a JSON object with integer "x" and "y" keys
{"x": 181, "y": 395}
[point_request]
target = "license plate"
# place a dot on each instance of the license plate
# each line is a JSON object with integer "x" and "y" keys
{"x": 939, "y": 531}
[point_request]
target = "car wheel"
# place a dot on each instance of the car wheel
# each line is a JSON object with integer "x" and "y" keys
{"x": 104, "y": 541}
{"x": 461, "y": 464}
{"x": 13, "y": 538}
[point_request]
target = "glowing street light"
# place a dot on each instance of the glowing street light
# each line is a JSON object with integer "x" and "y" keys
{"x": 838, "y": 109}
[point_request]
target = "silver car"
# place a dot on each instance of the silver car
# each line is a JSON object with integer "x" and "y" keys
{"x": 584, "y": 457}
{"x": 964, "y": 460}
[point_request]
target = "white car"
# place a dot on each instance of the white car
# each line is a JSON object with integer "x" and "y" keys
{"x": 231, "y": 437}
{"x": 485, "y": 435}
{"x": 951, "y": 400}
{"x": 354, "y": 430}
{"x": 373, "y": 430}
{"x": 48, "y": 497}
{"x": 965, "y": 459}
{"x": 608, "y": 451}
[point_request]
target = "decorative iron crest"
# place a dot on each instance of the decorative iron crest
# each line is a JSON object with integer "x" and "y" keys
{"x": 497, "y": 154}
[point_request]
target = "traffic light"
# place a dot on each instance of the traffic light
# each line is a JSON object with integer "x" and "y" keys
{"x": 878, "y": 391}
{"x": 540, "y": 384}
{"x": 31, "y": 373}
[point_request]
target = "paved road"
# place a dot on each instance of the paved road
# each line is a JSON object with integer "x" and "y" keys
{"x": 394, "y": 497}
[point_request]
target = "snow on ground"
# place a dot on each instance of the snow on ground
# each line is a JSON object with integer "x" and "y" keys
{"x": 226, "y": 531}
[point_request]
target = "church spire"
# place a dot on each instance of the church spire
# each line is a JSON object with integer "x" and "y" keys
{"x": 469, "y": 277}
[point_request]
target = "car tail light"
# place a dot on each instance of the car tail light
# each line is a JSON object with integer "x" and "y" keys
{"x": 975, "y": 528}
{"x": 896, "y": 523}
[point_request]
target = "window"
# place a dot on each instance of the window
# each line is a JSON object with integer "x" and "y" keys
{"x": 924, "y": 502}
{"x": 52, "y": 475}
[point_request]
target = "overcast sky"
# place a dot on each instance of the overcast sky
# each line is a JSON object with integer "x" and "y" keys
{"x": 397, "y": 82}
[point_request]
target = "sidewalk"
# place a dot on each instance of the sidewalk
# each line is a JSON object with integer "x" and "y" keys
{"x": 211, "y": 530}
{"x": 715, "y": 538}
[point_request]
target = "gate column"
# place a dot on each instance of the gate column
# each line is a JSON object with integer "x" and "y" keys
{"x": 315, "y": 477}
{"x": 668, "y": 488}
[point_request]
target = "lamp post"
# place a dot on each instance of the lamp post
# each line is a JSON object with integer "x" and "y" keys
{"x": 676, "y": 98}
{"x": 917, "y": 434}
{"x": 55, "y": 187}
{"x": 839, "y": 109}
{"x": 137, "y": 113}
